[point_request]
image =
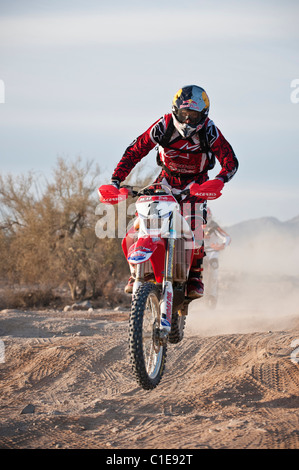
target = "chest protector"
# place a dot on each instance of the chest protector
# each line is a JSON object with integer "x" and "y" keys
{"x": 184, "y": 160}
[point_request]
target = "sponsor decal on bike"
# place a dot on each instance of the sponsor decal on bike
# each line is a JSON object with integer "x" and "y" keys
{"x": 143, "y": 248}
{"x": 155, "y": 198}
{"x": 140, "y": 256}
{"x": 165, "y": 322}
{"x": 168, "y": 306}
{"x": 206, "y": 194}
{"x": 109, "y": 199}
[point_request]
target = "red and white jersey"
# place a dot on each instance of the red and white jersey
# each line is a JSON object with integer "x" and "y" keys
{"x": 183, "y": 160}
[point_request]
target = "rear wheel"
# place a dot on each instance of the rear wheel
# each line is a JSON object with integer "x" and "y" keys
{"x": 147, "y": 350}
{"x": 177, "y": 328}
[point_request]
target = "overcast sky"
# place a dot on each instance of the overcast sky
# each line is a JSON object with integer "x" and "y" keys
{"x": 87, "y": 77}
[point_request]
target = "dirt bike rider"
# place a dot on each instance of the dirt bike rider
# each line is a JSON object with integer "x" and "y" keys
{"x": 216, "y": 239}
{"x": 187, "y": 143}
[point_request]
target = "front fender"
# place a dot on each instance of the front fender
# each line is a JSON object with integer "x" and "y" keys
{"x": 148, "y": 248}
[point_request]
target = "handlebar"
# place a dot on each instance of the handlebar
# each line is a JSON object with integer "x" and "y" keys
{"x": 208, "y": 190}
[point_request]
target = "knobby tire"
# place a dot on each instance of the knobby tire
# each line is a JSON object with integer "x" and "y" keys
{"x": 145, "y": 294}
{"x": 177, "y": 328}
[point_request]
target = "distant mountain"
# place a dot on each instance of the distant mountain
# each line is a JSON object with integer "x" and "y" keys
{"x": 294, "y": 222}
{"x": 264, "y": 245}
{"x": 264, "y": 226}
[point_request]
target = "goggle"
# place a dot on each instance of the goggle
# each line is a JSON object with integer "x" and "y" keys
{"x": 186, "y": 114}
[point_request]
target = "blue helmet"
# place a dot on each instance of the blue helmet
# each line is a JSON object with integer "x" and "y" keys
{"x": 190, "y": 109}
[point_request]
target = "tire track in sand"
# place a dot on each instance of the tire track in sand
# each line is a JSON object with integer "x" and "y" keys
{"x": 236, "y": 391}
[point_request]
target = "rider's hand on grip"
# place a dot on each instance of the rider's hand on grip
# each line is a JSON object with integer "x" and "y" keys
{"x": 208, "y": 190}
{"x": 110, "y": 194}
{"x": 115, "y": 183}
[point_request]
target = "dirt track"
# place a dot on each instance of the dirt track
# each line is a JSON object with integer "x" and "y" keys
{"x": 227, "y": 389}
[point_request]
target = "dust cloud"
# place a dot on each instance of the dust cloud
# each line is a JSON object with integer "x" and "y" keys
{"x": 258, "y": 287}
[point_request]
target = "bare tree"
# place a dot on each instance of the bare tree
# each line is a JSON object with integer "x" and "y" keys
{"x": 47, "y": 230}
{"x": 48, "y": 234}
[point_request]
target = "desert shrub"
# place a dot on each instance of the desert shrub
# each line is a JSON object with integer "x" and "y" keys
{"x": 47, "y": 231}
{"x": 28, "y": 298}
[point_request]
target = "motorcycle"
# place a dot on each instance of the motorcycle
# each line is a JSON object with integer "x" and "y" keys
{"x": 216, "y": 240}
{"x": 159, "y": 247}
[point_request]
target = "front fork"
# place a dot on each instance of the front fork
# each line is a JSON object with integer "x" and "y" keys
{"x": 166, "y": 301}
{"x": 139, "y": 277}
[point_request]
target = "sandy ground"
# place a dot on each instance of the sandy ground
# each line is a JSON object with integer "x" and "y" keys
{"x": 231, "y": 383}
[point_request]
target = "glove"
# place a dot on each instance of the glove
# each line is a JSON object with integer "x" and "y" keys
{"x": 111, "y": 194}
{"x": 115, "y": 182}
{"x": 208, "y": 190}
{"x": 122, "y": 193}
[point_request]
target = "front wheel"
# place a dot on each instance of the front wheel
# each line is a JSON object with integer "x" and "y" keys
{"x": 147, "y": 351}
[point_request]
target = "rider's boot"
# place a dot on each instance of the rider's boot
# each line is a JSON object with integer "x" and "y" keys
{"x": 195, "y": 286}
{"x": 129, "y": 287}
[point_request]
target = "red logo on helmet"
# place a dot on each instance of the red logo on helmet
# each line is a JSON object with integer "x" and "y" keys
{"x": 191, "y": 104}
